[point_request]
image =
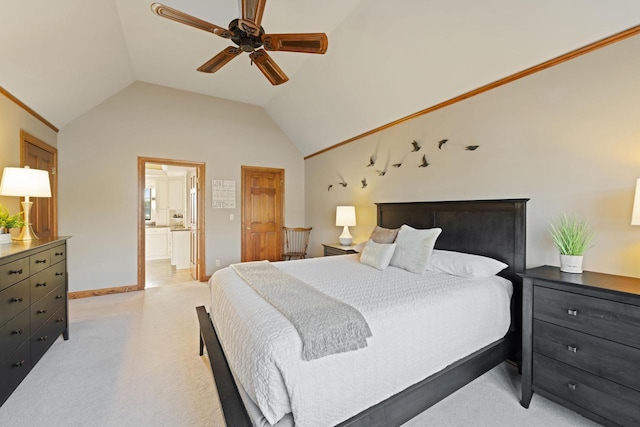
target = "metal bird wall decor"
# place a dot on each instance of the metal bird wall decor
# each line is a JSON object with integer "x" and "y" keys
{"x": 372, "y": 160}
{"x": 424, "y": 163}
{"x": 344, "y": 184}
{"x": 416, "y": 146}
{"x": 364, "y": 182}
{"x": 441, "y": 143}
{"x": 472, "y": 147}
{"x": 330, "y": 187}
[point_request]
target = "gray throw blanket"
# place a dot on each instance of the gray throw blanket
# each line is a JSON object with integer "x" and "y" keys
{"x": 325, "y": 325}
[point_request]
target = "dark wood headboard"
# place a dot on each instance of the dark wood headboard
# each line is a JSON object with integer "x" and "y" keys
{"x": 492, "y": 228}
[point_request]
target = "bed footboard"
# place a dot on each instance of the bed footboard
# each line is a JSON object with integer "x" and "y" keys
{"x": 235, "y": 413}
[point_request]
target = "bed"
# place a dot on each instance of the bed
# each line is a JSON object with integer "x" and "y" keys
{"x": 494, "y": 228}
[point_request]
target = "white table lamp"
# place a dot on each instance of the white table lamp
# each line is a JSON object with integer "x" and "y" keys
{"x": 25, "y": 182}
{"x": 635, "y": 216}
{"x": 345, "y": 217}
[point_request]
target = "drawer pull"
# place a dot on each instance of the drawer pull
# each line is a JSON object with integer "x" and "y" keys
{"x": 572, "y": 312}
{"x": 17, "y": 332}
{"x": 41, "y": 311}
{"x": 41, "y": 261}
{"x": 58, "y": 253}
{"x": 572, "y": 348}
{"x": 43, "y": 284}
{"x": 15, "y": 272}
{"x": 60, "y": 320}
{"x": 572, "y": 386}
{"x": 59, "y": 274}
{"x": 19, "y": 364}
{"x": 59, "y": 297}
{"x": 44, "y": 338}
{"x": 16, "y": 299}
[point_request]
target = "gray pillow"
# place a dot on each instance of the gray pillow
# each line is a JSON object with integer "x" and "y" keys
{"x": 384, "y": 235}
{"x": 413, "y": 248}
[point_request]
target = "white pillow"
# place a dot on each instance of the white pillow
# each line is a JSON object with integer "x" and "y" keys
{"x": 414, "y": 248}
{"x": 377, "y": 255}
{"x": 465, "y": 265}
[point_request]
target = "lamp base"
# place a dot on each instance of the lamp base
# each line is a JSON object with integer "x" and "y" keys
{"x": 345, "y": 238}
{"x": 27, "y": 232}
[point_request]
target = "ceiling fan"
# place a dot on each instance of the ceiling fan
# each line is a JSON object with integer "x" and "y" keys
{"x": 249, "y": 36}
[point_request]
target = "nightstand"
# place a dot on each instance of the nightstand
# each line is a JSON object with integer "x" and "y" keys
{"x": 337, "y": 249}
{"x": 581, "y": 343}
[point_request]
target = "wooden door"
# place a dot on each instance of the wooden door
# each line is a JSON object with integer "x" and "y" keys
{"x": 262, "y": 213}
{"x": 193, "y": 226}
{"x": 39, "y": 155}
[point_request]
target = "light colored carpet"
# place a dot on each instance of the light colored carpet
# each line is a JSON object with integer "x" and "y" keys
{"x": 132, "y": 360}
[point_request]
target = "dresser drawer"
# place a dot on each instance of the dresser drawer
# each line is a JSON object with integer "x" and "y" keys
{"x": 13, "y": 272}
{"x": 13, "y": 300}
{"x": 611, "y": 400}
{"x": 57, "y": 272}
{"x": 44, "y": 337}
{"x": 617, "y": 362}
{"x": 40, "y": 284}
{"x": 43, "y": 282}
{"x": 39, "y": 261}
{"x": 57, "y": 254}
{"x": 42, "y": 310}
{"x": 14, "y": 333}
{"x": 616, "y": 321}
{"x": 13, "y": 370}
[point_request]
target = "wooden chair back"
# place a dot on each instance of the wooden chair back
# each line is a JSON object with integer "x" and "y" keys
{"x": 296, "y": 241}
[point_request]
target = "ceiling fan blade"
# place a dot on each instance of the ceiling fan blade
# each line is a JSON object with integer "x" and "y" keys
{"x": 183, "y": 18}
{"x": 252, "y": 10}
{"x": 306, "y": 42}
{"x": 268, "y": 67}
{"x": 221, "y": 59}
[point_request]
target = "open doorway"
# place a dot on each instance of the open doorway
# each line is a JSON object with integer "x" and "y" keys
{"x": 170, "y": 221}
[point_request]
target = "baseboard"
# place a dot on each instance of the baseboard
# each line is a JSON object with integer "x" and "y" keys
{"x": 100, "y": 292}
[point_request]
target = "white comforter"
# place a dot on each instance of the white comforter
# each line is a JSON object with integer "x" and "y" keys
{"x": 420, "y": 325}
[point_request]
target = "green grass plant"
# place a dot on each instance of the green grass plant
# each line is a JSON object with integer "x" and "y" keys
{"x": 571, "y": 234}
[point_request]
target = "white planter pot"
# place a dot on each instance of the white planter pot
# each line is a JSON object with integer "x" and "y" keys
{"x": 571, "y": 263}
{"x": 5, "y": 238}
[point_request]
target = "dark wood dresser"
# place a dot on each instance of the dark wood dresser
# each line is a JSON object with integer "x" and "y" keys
{"x": 33, "y": 305}
{"x": 581, "y": 343}
{"x": 331, "y": 249}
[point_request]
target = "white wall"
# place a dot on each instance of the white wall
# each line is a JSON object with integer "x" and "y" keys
{"x": 14, "y": 118}
{"x": 568, "y": 138}
{"x": 98, "y": 173}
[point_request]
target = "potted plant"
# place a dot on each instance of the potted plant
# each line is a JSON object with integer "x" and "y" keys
{"x": 572, "y": 236}
{"x": 7, "y": 222}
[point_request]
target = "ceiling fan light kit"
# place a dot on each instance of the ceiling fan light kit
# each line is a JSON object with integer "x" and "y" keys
{"x": 250, "y": 37}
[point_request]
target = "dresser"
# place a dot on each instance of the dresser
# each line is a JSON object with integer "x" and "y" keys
{"x": 337, "y": 249}
{"x": 33, "y": 305}
{"x": 581, "y": 343}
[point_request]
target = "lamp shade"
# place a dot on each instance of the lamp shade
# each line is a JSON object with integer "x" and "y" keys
{"x": 25, "y": 182}
{"x": 346, "y": 215}
{"x": 635, "y": 216}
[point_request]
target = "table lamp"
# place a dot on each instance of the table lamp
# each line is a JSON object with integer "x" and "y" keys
{"x": 635, "y": 216}
{"x": 25, "y": 182}
{"x": 345, "y": 217}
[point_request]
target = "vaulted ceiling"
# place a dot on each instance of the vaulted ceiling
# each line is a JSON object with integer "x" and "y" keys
{"x": 386, "y": 59}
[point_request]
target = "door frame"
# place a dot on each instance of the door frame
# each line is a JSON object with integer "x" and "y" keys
{"x": 243, "y": 170}
{"x": 201, "y": 174}
{"x": 30, "y": 139}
